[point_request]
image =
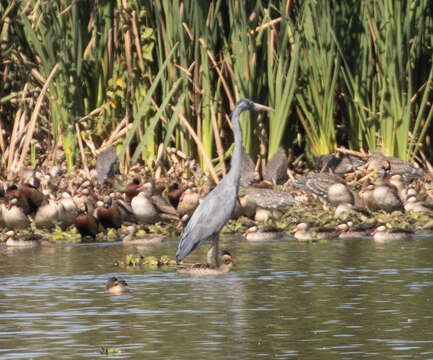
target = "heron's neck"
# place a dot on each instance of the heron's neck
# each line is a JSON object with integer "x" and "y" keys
{"x": 236, "y": 163}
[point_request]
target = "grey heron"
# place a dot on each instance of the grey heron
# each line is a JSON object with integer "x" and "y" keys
{"x": 217, "y": 207}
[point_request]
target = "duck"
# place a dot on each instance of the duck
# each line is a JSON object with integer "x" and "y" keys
{"x": 268, "y": 203}
{"x": 245, "y": 207}
{"x": 262, "y": 215}
{"x": 348, "y": 230}
{"x": 165, "y": 210}
{"x": 49, "y": 213}
{"x": 84, "y": 197}
{"x": 340, "y": 193}
{"x": 14, "y": 216}
{"x": 149, "y": 208}
{"x": 183, "y": 221}
{"x": 412, "y": 204}
{"x": 225, "y": 260}
{"x": 32, "y": 195}
{"x": 15, "y": 197}
{"x": 383, "y": 234}
{"x": 345, "y": 209}
{"x": 380, "y": 197}
{"x": 188, "y": 202}
{"x": 381, "y": 163}
{"x": 143, "y": 208}
{"x": 116, "y": 287}
{"x": 303, "y": 231}
{"x": 147, "y": 239}
{"x": 132, "y": 189}
{"x": 276, "y": 168}
{"x": 174, "y": 194}
{"x": 87, "y": 224}
{"x": 396, "y": 181}
{"x": 253, "y": 233}
{"x": 12, "y": 239}
{"x": 330, "y": 188}
{"x": 70, "y": 209}
{"x": 108, "y": 214}
{"x": 338, "y": 164}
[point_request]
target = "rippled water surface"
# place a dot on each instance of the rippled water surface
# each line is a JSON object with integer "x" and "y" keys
{"x": 347, "y": 299}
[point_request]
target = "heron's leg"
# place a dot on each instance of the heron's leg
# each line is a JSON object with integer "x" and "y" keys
{"x": 210, "y": 254}
{"x": 215, "y": 242}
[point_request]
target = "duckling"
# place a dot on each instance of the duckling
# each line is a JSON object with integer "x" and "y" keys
{"x": 147, "y": 239}
{"x": 253, "y": 233}
{"x": 206, "y": 269}
{"x": 12, "y": 239}
{"x": 116, "y": 287}
{"x": 383, "y": 234}
{"x": 303, "y": 231}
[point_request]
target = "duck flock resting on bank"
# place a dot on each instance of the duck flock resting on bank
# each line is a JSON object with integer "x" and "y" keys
{"x": 355, "y": 187}
{"x": 46, "y": 199}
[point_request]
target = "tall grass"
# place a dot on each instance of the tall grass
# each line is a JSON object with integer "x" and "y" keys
{"x": 138, "y": 74}
{"x": 391, "y": 83}
{"x": 317, "y": 94}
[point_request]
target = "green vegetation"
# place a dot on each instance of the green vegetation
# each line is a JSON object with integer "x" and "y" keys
{"x": 78, "y": 76}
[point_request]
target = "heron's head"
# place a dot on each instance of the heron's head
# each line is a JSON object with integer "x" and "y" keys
{"x": 248, "y": 105}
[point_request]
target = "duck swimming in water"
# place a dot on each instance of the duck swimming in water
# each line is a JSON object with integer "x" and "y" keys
{"x": 303, "y": 231}
{"x": 225, "y": 260}
{"x": 12, "y": 239}
{"x": 348, "y": 230}
{"x": 147, "y": 239}
{"x": 116, "y": 287}
{"x": 253, "y": 233}
{"x": 383, "y": 234}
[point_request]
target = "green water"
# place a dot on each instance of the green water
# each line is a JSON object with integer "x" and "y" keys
{"x": 347, "y": 299}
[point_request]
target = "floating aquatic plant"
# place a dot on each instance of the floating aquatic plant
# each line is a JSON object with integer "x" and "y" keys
{"x": 133, "y": 260}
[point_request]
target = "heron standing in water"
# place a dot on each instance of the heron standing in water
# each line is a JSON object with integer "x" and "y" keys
{"x": 217, "y": 207}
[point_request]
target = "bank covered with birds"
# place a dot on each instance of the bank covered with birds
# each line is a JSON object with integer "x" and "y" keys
{"x": 345, "y": 195}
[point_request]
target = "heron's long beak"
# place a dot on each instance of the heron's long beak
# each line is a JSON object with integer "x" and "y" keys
{"x": 260, "y": 107}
